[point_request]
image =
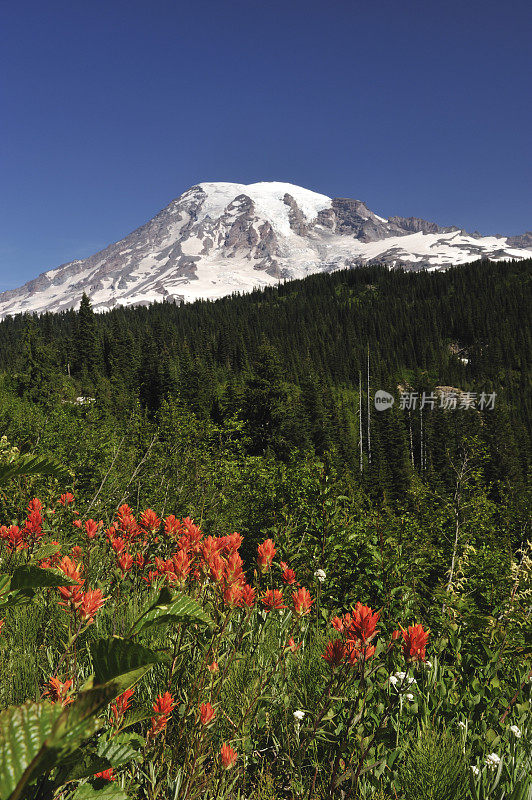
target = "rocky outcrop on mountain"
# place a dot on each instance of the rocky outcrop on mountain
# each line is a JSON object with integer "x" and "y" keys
{"x": 417, "y": 225}
{"x": 525, "y": 240}
{"x": 219, "y": 238}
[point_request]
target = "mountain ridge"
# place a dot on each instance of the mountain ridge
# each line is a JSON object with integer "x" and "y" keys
{"x": 217, "y": 238}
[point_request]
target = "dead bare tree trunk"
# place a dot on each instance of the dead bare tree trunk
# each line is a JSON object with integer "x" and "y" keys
{"x": 360, "y": 418}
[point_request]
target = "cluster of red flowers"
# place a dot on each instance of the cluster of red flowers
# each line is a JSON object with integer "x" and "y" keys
{"x": 360, "y": 628}
{"x": 84, "y": 604}
{"x": 415, "y": 640}
{"x": 58, "y": 692}
{"x": 162, "y": 707}
{"x": 207, "y": 713}
{"x": 121, "y": 705}
{"x": 107, "y": 774}
{"x": 31, "y": 531}
{"x": 228, "y": 756}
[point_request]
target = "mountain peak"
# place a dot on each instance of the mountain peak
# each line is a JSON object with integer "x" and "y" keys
{"x": 218, "y": 238}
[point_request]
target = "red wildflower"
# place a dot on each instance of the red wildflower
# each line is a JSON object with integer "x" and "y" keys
{"x": 272, "y": 600}
{"x": 217, "y": 566}
{"x": 363, "y": 623}
{"x": 66, "y": 498}
{"x": 338, "y": 624}
{"x": 76, "y": 552}
{"x": 181, "y": 566}
{"x": 356, "y": 651}
{"x": 92, "y": 527}
{"x": 213, "y": 667}
{"x": 150, "y": 521}
{"x": 233, "y": 595}
{"x": 248, "y": 596}
{"x": 191, "y": 535}
{"x": 334, "y": 653}
{"x": 2, "y": 623}
{"x": 207, "y": 713}
{"x": 265, "y": 553}
{"x": 58, "y": 692}
{"x": 232, "y": 543}
{"x": 91, "y": 602}
{"x": 125, "y": 517}
{"x": 209, "y": 548}
{"x": 233, "y": 569}
{"x": 33, "y": 525}
{"x": 289, "y": 576}
{"x": 118, "y": 544}
{"x": 72, "y": 595}
{"x": 34, "y": 505}
{"x": 121, "y": 705}
{"x": 107, "y": 775}
{"x": 302, "y": 602}
{"x": 77, "y": 523}
{"x": 172, "y": 526}
{"x": 164, "y": 704}
{"x": 71, "y": 569}
{"x": 228, "y": 756}
{"x": 292, "y": 646}
{"x": 14, "y": 539}
{"x": 415, "y": 642}
{"x": 158, "y": 724}
{"x": 125, "y": 562}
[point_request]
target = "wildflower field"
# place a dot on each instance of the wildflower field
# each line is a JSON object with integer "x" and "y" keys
{"x": 226, "y": 574}
{"x": 146, "y": 659}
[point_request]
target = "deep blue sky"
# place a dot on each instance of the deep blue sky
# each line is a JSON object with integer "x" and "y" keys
{"x": 111, "y": 109}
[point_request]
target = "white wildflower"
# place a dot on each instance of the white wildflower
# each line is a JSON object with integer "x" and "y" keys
{"x": 462, "y": 724}
{"x": 409, "y": 696}
{"x": 493, "y": 760}
{"x": 299, "y": 715}
{"x": 320, "y": 575}
{"x": 475, "y": 771}
{"x": 516, "y": 731}
{"x": 394, "y": 680}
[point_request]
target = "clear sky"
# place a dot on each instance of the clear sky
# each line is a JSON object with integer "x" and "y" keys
{"x": 112, "y": 108}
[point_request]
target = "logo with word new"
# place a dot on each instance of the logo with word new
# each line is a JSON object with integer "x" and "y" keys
{"x": 383, "y": 400}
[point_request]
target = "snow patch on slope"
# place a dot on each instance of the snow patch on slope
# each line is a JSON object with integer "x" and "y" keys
{"x": 268, "y": 199}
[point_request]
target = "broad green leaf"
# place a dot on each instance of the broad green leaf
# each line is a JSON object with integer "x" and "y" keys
{"x": 46, "y": 550}
{"x": 86, "y": 762}
{"x": 115, "y": 658}
{"x": 121, "y": 748}
{"x": 36, "y": 737}
{"x": 139, "y": 715}
{"x": 181, "y": 608}
{"x": 32, "y": 577}
{"x": 17, "y": 598}
{"x": 32, "y": 465}
{"x": 82, "y": 763}
{"x": 23, "y": 731}
{"x": 110, "y": 791}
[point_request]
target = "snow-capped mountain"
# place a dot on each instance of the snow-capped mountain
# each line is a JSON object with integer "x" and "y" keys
{"x": 220, "y": 238}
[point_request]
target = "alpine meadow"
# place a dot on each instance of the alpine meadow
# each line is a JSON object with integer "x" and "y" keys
{"x": 365, "y": 632}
